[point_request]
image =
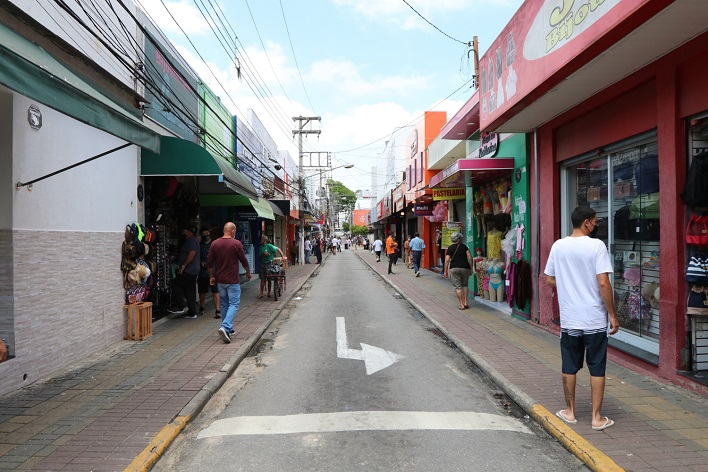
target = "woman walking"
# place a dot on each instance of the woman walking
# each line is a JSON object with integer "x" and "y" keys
{"x": 458, "y": 266}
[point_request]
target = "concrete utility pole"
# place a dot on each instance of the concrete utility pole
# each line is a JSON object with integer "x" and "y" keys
{"x": 302, "y": 122}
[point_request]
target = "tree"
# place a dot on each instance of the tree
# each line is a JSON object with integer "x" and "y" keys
{"x": 345, "y": 226}
{"x": 344, "y": 197}
{"x": 360, "y": 230}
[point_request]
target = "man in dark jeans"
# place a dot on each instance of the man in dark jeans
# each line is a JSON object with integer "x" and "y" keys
{"x": 184, "y": 285}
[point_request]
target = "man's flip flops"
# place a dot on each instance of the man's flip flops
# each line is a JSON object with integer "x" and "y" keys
{"x": 560, "y": 415}
{"x": 607, "y": 424}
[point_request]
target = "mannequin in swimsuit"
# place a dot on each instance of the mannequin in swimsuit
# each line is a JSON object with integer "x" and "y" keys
{"x": 496, "y": 281}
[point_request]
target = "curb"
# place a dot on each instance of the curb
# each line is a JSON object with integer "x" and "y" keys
{"x": 580, "y": 447}
{"x": 149, "y": 456}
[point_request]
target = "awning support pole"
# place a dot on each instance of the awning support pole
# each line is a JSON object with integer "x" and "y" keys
{"x": 19, "y": 185}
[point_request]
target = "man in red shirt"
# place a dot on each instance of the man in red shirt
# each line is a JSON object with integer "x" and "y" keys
{"x": 224, "y": 255}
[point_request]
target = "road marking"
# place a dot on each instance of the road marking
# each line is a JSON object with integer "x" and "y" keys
{"x": 374, "y": 357}
{"x": 362, "y": 421}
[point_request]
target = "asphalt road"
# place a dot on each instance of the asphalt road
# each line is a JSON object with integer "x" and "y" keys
{"x": 351, "y": 377}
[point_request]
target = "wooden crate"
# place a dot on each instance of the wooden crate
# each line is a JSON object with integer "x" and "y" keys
{"x": 139, "y": 321}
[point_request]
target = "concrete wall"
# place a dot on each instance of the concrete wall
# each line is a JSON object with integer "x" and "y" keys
{"x": 61, "y": 297}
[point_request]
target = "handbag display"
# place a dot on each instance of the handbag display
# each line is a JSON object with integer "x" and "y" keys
{"x": 697, "y": 303}
{"x": 697, "y": 230}
{"x": 697, "y": 270}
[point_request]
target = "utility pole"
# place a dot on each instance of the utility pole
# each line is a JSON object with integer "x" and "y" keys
{"x": 302, "y": 121}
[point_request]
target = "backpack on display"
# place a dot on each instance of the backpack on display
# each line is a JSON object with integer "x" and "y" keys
{"x": 695, "y": 191}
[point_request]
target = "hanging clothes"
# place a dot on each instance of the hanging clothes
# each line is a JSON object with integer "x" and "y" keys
{"x": 511, "y": 277}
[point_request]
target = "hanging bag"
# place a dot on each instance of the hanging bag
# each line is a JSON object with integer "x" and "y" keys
{"x": 697, "y": 270}
{"x": 695, "y": 191}
{"x": 697, "y": 230}
{"x": 697, "y": 303}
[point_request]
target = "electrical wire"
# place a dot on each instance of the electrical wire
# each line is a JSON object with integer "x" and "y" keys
{"x": 426, "y": 20}
{"x": 285, "y": 21}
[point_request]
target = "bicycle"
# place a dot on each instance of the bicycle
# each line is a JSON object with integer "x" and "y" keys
{"x": 275, "y": 277}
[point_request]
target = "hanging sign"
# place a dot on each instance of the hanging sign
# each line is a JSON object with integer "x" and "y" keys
{"x": 423, "y": 209}
{"x": 489, "y": 145}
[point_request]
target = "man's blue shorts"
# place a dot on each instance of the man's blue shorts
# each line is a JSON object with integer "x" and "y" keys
{"x": 593, "y": 346}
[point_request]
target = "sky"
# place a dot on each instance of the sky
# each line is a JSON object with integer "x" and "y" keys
{"x": 365, "y": 67}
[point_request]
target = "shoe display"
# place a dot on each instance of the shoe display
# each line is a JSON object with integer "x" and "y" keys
{"x": 224, "y": 335}
{"x": 217, "y": 314}
{"x": 191, "y": 316}
{"x": 176, "y": 311}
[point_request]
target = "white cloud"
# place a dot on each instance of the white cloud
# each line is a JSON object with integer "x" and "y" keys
{"x": 345, "y": 78}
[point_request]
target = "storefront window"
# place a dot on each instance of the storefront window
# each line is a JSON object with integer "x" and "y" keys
{"x": 622, "y": 186}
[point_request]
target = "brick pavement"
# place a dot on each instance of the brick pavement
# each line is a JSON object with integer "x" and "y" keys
{"x": 104, "y": 413}
{"x": 657, "y": 426}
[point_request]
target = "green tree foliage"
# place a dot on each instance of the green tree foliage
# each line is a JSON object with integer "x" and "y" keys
{"x": 345, "y": 198}
{"x": 360, "y": 230}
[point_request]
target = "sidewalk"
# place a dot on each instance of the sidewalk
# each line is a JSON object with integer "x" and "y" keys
{"x": 657, "y": 426}
{"x": 120, "y": 410}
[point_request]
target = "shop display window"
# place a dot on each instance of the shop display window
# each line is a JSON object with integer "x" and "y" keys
{"x": 622, "y": 186}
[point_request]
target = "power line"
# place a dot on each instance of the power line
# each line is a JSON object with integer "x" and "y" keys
{"x": 294, "y": 56}
{"x": 426, "y": 20}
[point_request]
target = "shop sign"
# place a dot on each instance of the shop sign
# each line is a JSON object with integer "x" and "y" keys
{"x": 541, "y": 39}
{"x": 423, "y": 209}
{"x": 414, "y": 144}
{"x": 246, "y": 215}
{"x": 456, "y": 193}
{"x": 490, "y": 145}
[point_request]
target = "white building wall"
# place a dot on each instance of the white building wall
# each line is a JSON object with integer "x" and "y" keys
{"x": 97, "y": 196}
{"x": 62, "y": 296}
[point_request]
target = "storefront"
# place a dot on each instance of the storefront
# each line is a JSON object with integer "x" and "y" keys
{"x": 615, "y": 121}
{"x": 418, "y": 192}
{"x": 488, "y": 194}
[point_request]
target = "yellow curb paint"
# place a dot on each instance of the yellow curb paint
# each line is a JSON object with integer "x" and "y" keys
{"x": 149, "y": 456}
{"x": 594, "y": 458}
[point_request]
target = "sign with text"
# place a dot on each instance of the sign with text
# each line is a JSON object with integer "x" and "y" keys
{"x": 423, "y": 209}
{"x": 456, "y": 193}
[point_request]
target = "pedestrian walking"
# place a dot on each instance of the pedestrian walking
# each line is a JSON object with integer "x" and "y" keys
{"x": 318, "y": 250}
{"x": 294, "y": 252}
{"x": 416, "y": 246}
{"x": 203, "y": 285}
{"x": 267, "y": 252}
{"x": 579, "y": 269}
{"x": 438, "y": 245}
{"x": 458, "y": 266}
{"x": 407, "y": 252}
{"x": 222, "y": 263}
{"x": 185, "y": 282}
{"x": 391, "y": 251}
{"x": 308, "y": 249}
{"x": 377, "y": 249}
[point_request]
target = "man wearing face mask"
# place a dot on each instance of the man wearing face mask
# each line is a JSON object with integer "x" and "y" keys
{"x": 579, "y": 268}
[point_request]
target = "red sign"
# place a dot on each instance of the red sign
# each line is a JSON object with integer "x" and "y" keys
{"x": 543, "y": 37}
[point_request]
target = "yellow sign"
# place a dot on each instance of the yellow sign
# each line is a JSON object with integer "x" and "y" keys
{"x": 456, "y": 193}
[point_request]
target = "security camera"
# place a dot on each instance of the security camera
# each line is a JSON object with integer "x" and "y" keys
{"x": 278, "y": 167}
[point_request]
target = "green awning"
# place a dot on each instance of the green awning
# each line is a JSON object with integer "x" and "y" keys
{"x": 31, "y": 71}
{"x": 261, "y": 205}
{"x": 179, "y": 157}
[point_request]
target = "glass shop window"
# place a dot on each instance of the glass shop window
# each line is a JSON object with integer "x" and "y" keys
{"x": 622, "y": 186}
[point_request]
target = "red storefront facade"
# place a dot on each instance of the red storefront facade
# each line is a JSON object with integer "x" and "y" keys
{"x": 615, "y": 97}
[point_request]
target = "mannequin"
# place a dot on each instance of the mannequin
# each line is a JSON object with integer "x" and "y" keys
{"x": 496, "y": 280}
{"x": 494, "y": 239}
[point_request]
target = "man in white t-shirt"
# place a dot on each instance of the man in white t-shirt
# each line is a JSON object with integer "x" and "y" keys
{"x": 378, "y": 245}
{"x": 579, "y": 268}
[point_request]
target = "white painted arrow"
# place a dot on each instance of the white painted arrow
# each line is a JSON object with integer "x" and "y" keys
{"x": 375, "y": 358}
